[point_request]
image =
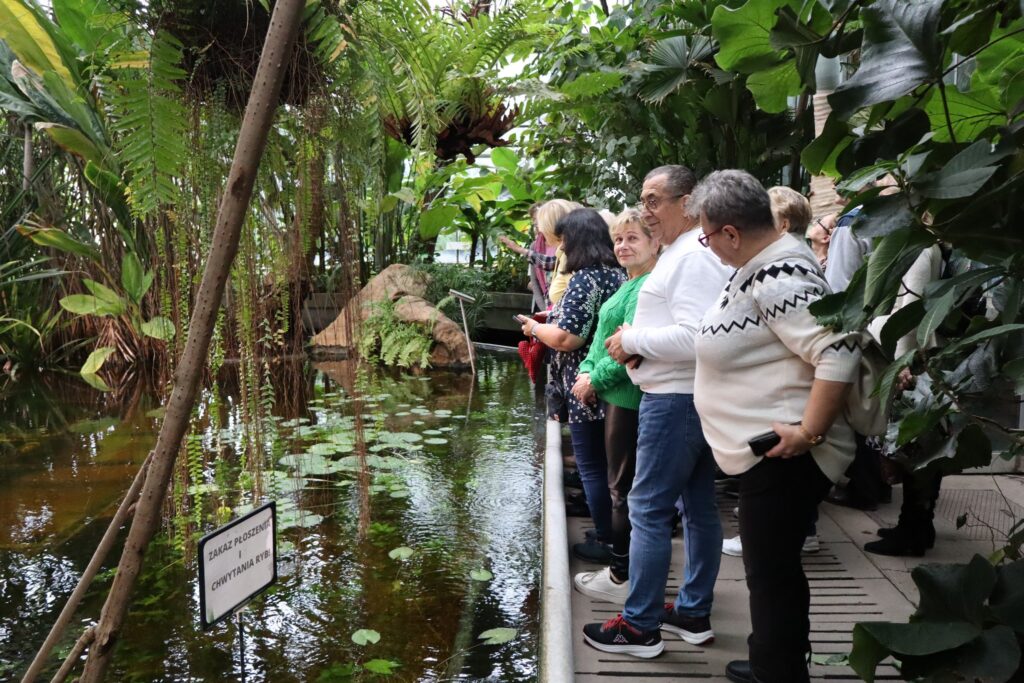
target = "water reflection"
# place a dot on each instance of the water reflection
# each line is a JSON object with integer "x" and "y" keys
{"x": 382, "y": 462}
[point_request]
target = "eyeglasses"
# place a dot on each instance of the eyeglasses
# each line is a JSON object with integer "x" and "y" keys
{"x": 828, "y": 230}
{"x": 652, "y": 203}
{"x": 704, "y": 237}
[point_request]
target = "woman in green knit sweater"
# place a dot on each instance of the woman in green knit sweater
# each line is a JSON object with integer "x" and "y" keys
{"x": 603, "y": 379}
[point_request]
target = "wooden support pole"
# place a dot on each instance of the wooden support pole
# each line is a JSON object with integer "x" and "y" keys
{"x": 252, "y": 139}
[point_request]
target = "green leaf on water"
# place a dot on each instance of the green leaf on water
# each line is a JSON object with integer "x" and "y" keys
{"x": 435, "y": 441}
{"x": 365, "y": 635}
{"x": 497, "y": 636}
{"x": 384, "y": 667}
{"x": 401, "y": 553}
{"x": 481, "y": 575}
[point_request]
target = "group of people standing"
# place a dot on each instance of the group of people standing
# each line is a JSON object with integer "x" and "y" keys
{"x": 682, "y": 340}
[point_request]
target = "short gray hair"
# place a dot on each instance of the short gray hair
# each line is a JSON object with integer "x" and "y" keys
{"x": 735, "y": 198}
{"x": 680, "y": 180}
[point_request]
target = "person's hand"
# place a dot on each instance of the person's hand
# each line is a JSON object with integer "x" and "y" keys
{"x": 613, "y": 345}
{"x": 793, "y": 441}
{"x": 583, "y": 390}
{"x": 504, "y": 239}
{"x": 528, "y": 325}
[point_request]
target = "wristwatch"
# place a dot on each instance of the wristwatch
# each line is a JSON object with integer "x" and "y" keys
{"x": 813, "y": 439}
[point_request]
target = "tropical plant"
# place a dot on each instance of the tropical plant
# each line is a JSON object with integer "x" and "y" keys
{"x": 621, "y": 93}
{"x": 386, "y": 338}
{"x": 968, "y": 626}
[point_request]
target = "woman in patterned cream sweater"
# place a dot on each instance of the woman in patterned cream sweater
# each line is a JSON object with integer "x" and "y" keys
{"x": 763, "y": 365}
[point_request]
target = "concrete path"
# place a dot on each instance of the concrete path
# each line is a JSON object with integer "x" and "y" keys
{"x": 847, "y": 584}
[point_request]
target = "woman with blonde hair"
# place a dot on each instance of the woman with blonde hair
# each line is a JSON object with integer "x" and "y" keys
{"x": 548, "y": 216}
{"x": 601, "y": 378}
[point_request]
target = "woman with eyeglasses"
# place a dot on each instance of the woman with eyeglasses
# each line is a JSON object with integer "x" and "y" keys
{"x": 819, "y": 234}
{"x": 770, "y": 387}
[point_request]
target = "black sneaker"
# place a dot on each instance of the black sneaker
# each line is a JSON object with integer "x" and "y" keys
{"x": 593, "y": 551}
{"x": 694, "y": 630}
{"x": 616, "y": 635}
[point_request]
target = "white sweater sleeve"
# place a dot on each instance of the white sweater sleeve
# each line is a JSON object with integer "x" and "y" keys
{"x": 690, "y": 289}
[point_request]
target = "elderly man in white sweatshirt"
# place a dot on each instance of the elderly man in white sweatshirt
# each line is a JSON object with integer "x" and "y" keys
{"x": 673, "y": 460}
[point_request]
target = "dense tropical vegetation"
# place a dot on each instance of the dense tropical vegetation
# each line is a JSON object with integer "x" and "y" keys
{"x": 406, "y": 122}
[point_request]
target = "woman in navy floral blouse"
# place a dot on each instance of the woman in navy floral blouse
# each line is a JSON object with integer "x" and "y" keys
{"x": 596, "y": 275}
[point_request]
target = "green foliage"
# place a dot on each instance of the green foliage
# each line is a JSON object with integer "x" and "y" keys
{"x": 151, "y": 124}
{"x": 967, "y": 626}
{"x": 386, "y": 339}
{"x": 470, "y": 280}
{"x": 618, "y": 95}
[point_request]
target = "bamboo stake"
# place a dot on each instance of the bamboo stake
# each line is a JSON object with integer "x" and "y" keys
{"x": 93, "y": 568}
{"x": 252, "y": 138}
{"x": 69, "y": 662}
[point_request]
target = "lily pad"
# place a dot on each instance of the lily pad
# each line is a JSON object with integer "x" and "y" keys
{"x": 487, "y": 437}
{"x": 383, "y": 667}
{"x": 435, "y": 441}
{"x": 401, "y": 553}
{"x": 297, "y": 518}
{"x": 399, "y": 493}
{"x": 497, "y": 636}
{"x": 481, "y": 575}
{"x": 432, "y": 432}
{"x": 365, "y": 635}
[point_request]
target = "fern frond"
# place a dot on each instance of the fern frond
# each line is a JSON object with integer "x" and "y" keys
{"x": 150, "y": 121}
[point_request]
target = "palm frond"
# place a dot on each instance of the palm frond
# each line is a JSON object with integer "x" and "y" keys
{"x": 670, "y": 65}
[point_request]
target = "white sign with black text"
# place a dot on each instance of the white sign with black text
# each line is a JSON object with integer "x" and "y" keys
{"x": 236, "y": 562}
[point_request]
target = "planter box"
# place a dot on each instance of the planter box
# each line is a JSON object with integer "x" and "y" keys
{"x": 504, "y": 305}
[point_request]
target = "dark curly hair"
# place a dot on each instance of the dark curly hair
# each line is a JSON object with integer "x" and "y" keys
{"x": 585, "y": 240}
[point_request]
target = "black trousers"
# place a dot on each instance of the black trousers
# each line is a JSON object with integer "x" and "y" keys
{"x": 777, "y": 500}
{"x": 867, "y": 485}
{"x": 620, "y": 434}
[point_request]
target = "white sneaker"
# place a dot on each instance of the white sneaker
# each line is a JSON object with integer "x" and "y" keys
{"x": 600, "y": 586}
{"x": 733, "y": 547}
{"x": 811, "y": 544}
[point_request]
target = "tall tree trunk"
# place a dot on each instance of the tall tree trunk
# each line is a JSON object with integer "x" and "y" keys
{"x": 252, "y": 138}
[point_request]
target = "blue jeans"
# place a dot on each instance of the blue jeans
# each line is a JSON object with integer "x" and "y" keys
{"x": 592, "y": 463}
{"x": 672, "y": 460}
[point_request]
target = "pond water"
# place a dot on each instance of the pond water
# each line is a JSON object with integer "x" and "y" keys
{"x": 409, "y": 506}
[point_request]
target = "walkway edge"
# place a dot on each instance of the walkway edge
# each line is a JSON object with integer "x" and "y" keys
{"x": 556, "y": 643}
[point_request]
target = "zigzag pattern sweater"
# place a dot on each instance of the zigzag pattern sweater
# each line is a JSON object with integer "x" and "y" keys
{"x": 758, "y": 351}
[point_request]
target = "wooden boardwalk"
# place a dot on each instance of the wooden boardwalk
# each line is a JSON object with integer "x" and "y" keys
{"x": 847, "y": 586}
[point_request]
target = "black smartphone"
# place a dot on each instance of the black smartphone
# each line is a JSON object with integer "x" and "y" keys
{"x": 762, "y": 443}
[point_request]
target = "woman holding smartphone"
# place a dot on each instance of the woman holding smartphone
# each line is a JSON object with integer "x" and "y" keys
{"x": 596, "y": 275}
{"x": 764, "y": 363}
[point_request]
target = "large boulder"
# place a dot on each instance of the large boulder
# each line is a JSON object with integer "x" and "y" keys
{"x": 406, "y": 287}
